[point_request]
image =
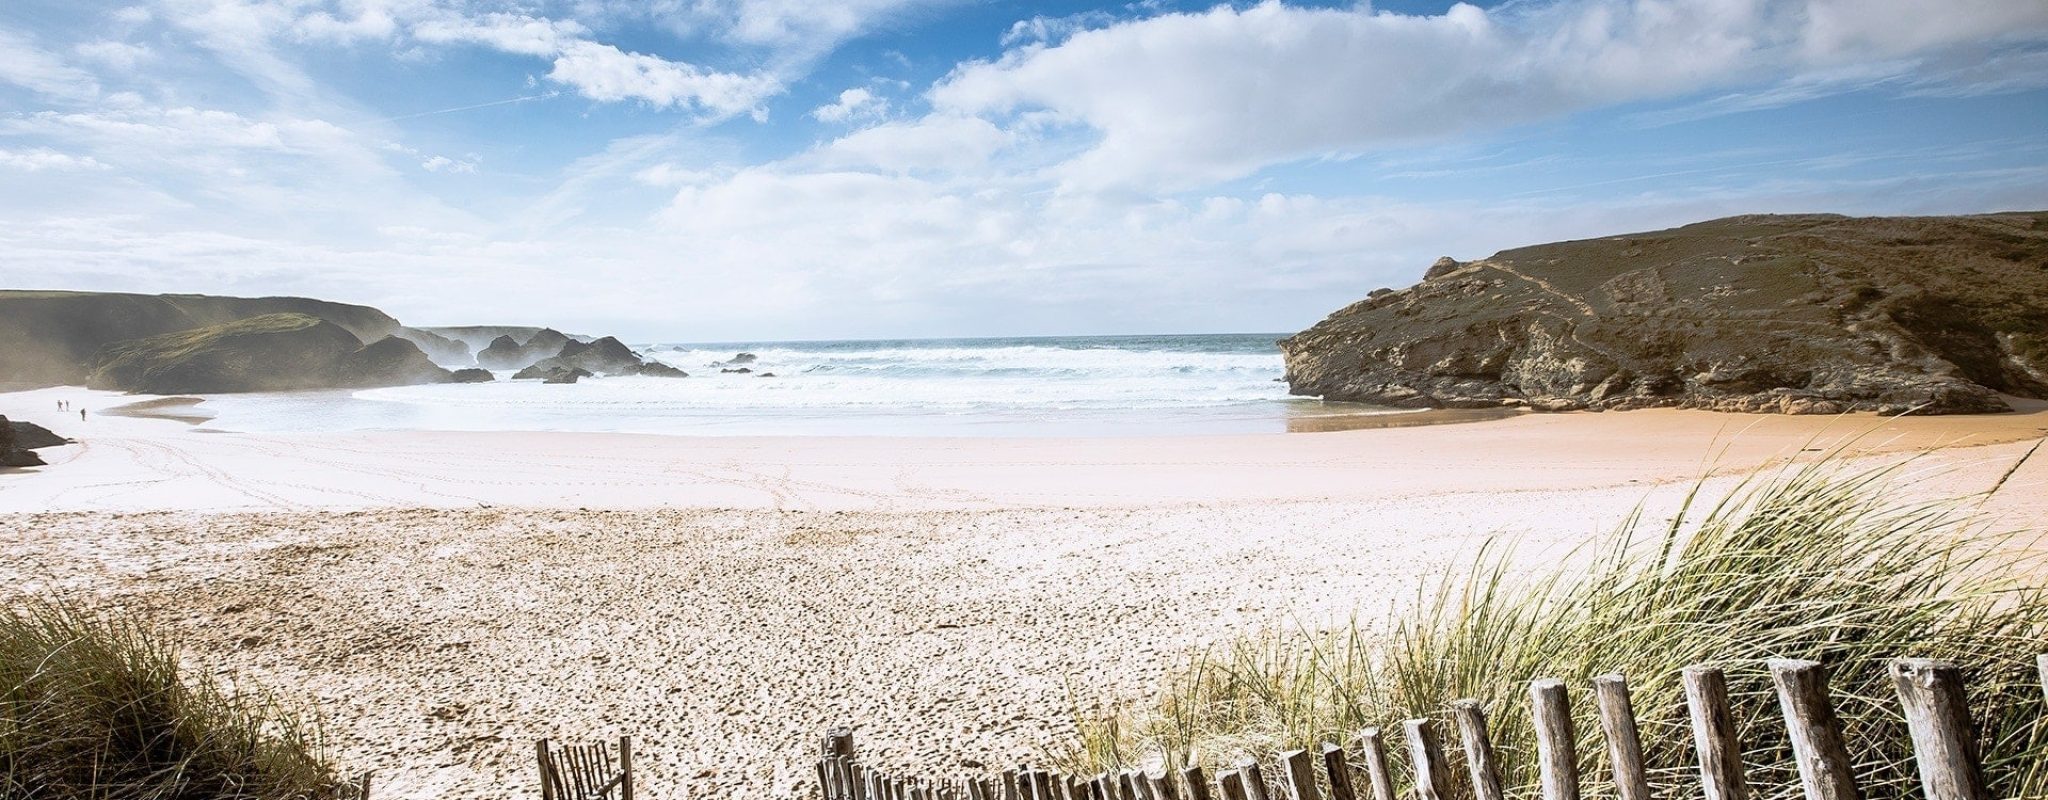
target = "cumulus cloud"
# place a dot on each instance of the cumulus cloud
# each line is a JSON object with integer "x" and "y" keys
{"x": 448, "y": 165}
{"x": 1184, "y": 99}
{"x": 852, "y": 104}
{"x": 603, "y": 72}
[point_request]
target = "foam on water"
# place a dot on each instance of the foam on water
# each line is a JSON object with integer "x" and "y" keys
{"x": 1063, "y": 386}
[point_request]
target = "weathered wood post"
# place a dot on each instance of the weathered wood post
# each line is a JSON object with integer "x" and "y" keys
{"x": 1624, "y": 742}
{"x": 1557, "y": 742}
{"x": 1162, "y": 785}
{"x": 1373, "y": 749}
{"x": 1825, "y": 772}
{"x": 1938, "y": 715}
{"x": 547, "y": 783}
{"x": 1432, "y": 776}
{"x": 1197, "y": 783}
{"x": 1338, "y": 768}
{"x": 1479, "y": 759}
{"x": 1713, "y": 734}
{"x": 1232, "y": 783}
{"x": 1135, "y": 786}
{"x": 1254, "y": 782}
{"x": 1300, "y": 772}
{"x": 2041, "y": 662}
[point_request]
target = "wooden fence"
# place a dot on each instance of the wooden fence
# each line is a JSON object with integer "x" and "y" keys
{"x": 1930, "y": 697}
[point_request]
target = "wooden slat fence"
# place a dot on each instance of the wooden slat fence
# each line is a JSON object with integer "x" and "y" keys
{"x": 1930, "y": 697}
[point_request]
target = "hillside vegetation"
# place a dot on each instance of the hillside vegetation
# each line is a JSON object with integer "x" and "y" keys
{"x": 1798, "y": 314}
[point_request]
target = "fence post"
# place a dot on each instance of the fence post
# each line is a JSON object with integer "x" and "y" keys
{"x": 2042, "y": 663}
{"x": 1339, "y": 770}
{"x": 1824, "y": 768}
{"x": 1162, "y": 785}
{"x": 1198, "y": 784}
{"x": 1471, "y": 715}
{"x": 1432, "y": 776}
{"x": 1232, "y": 783}
{"x": 1557, "y": 743}
{"x": 1713, "y": 734}
{"x": 1300, "y": 774}
{"x": 1624, "y": 742}
{"x": 1374, "y": 750}
{"x": 1938, "y": 715}
{"x": 1254, "y": 783}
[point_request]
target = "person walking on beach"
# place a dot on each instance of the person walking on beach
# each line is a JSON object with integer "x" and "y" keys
{"x": 81, "y": 415}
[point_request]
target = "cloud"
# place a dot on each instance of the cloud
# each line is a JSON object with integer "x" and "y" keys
{"x": 43, "y": 158}
{"x": 852, "y": 103}
{"x": 947, "y": 143}
{"x": 120, "y": 56}
{"x": 518, "y": 34}
{"x": 448, "y": 165}
{"x": 24, "y": 64}
{"x": 1180, "y": 100}
{"x": 606, "y": 73}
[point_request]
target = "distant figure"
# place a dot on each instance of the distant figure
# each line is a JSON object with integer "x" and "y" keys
{"x": 81, "y": 415}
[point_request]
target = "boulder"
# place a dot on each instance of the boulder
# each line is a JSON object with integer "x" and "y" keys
{"x": 552, "y": 374}
{"x": 390, "y": 361}
{"x": 30, "y": 436}
{"x": 502, "y": 353}
{"x": 742, "y": 358}
{"x": 472, "y": 375}
{"x": 12, "y": 454}
{"x": 739, "y": 370}
{"x": 1797, "y": 314}
{"x": 656, "y": 369}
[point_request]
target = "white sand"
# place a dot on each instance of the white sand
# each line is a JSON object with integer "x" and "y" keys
{"x": 733, "y": 597}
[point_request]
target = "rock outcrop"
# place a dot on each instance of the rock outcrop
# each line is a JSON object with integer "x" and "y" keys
{"x": 1792, "y": 314}
{"x": 50, "y": 337}
{"x": 443, "y": 350}
{"x": 606, "y": 356}
{"x": 20, "y": 440}
{"x": 272, "y": 352}
{"x": 505, "y": 353}
{"x": 478, "y": 337}
{"x": 472, "y": 375}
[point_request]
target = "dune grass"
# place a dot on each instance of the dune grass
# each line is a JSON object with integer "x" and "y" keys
{"x": 1807, "y": 561}
{"x": 94, "y": 707}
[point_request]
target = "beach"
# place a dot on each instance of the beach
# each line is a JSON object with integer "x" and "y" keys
{"x": 445, "y": 598}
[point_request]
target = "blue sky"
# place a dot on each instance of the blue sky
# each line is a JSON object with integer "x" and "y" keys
{"x": 750, "y": 169}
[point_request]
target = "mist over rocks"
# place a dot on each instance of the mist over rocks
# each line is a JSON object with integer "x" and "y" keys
{"x": 1797, "y": 314}
{"x": 271, "y": 352}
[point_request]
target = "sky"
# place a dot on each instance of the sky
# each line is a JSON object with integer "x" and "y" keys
{"x": 720, "y": 170}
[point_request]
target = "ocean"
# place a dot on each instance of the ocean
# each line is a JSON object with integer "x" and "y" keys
{"x": 1039, "y": 386}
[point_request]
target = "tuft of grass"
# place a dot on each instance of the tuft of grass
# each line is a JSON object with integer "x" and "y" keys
{"x": 94, "y": 707}
{"x": 1808, "y": 561}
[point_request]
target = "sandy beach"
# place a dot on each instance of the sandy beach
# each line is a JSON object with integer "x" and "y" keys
{"x": 445, "y": 598}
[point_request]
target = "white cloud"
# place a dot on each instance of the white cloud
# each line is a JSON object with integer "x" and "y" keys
{"x": 853, "y": 103}
{"x": 949, "y": 143}
{"x": 43, "y": 158}
{"x": 1183, "y": 99}
{"x": 512, "y": 33}
{"x": 120, "y": 56}
{"x": 606, "y": 73}
{"x": 449, "y": 165}
{"x": 24, "y": 64}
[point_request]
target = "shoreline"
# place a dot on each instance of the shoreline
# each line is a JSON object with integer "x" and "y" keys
{"x": 443, "y": 599}
{"x": 148, "y": 463}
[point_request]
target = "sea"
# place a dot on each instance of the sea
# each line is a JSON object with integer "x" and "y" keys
{"x": 1036, "y": 386}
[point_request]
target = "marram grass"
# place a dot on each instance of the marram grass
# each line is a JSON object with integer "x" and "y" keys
{"x": 94, "y": 707}
{"x": 1807, "y": 561}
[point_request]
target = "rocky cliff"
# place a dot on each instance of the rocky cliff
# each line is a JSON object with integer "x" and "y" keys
{"x": 49, "y": 337}
{"x": 1793, "y": 314}
{"x": 272, "y": 352}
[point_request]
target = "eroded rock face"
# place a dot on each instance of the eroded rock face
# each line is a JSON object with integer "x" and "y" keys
{"x": 272, "y": 352}
{"x": 1809, "y": 314}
